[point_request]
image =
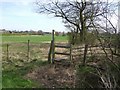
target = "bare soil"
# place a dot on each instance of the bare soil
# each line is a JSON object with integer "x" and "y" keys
{"x": 56, "y": 75}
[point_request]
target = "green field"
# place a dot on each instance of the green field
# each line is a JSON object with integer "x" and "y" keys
{"x": 32, "y": 38}
{"x": 15, "y": 69}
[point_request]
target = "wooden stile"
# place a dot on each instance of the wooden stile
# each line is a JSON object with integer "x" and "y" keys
{"x": 53, "y": 53}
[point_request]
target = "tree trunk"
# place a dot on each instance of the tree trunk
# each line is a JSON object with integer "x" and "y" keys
{"x": 85, "y": 54}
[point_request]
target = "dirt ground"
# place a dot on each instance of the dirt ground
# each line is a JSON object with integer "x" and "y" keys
{"x": 58, "y": 75}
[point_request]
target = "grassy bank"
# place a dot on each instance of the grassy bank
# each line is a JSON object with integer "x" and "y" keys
{"x": 14, "y": 76}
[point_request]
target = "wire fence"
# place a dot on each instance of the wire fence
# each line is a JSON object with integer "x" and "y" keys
{"x": 29, "y": 51}
{"x": 25, "y": 51}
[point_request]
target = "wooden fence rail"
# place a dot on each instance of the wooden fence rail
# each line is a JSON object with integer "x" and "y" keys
{"x": 61, "y": 46}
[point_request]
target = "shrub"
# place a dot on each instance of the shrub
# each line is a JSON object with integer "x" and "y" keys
{"x": 86, "y": 77}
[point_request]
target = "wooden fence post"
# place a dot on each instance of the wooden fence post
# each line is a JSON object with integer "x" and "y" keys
{"x": 53, "y": 46}
{"x": 70, "y": 52}
{"x": 53, "y": 31}
{"x": 51, "y": 51}
{"x": 7, "y": 52}
{"x": 28, "y": 50}
{"x": 49, "y": 54}
{"x": 85, "y": 54}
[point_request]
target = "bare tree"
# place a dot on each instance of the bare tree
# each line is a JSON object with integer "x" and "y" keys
{"x": 82, "y": 17}
{"x": 76, "y": 15}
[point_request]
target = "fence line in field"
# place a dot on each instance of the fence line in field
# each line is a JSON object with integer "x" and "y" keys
{"x": 25, "y": 51}
{"x": 28, "y": 51}
{"x": 92, "y": 50}
{"x": 31, "y": 51}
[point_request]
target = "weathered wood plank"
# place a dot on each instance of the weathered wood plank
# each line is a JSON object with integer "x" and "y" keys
{"x": 62, "y": 53}
{"x": 59, "y": 59}
{"x": 61, "y": 46}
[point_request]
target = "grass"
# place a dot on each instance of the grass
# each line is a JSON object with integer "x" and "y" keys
{"x": 12, "y": 77}
{"x": 32, "y": 38}
{"x": 13, "y": 80}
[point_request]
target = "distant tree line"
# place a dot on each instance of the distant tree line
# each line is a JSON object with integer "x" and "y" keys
{"x": 31, "y": 32}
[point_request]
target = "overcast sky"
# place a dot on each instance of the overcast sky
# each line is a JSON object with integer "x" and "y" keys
{"x": 21, "y": 15}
